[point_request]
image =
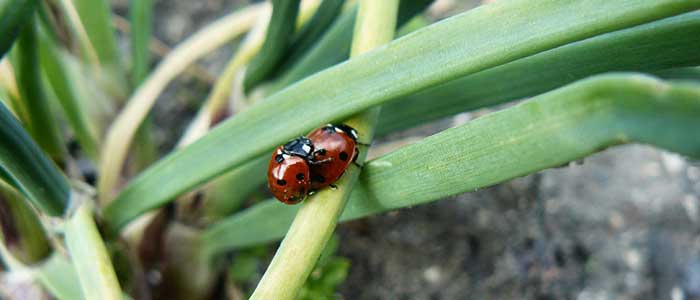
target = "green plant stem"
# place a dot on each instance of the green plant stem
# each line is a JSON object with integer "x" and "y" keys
{"x": 89, "y": 255}
{"x": 59, "y": 277}
{"x": 316, "y": 220}
{"x": 546, "y": 131}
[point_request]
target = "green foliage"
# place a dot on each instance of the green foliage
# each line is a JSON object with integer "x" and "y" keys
{"x": 39, "y": 119}
{"x": 96, "y": 18}
{"x": 26, "y": 168}
{"x": 280, "y": 33}
{"x": 67, "y": 78}
{"x": 60, "y": 80}
{"x": 141, "y": 14}
{"x": 655, "y": 46}
{"x": 13, "y": 15}
{"x": 89, "y": 256}
{"x": 563, "y": 125}
{"x": 439, "y": 53}
{"x": 330, "y": 271}
{"x": 22, "y": 233}
{"x": 334, "y": 46}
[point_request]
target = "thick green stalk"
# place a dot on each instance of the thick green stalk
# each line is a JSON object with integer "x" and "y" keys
{"x": 316, "y": 220}
{"x": 89, "y": 256}
{"x": 59, "y": 278}
{"x": 546, "y": 131}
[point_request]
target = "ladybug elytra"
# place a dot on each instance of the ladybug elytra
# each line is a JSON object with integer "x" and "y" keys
{"x": 307, "y": 164}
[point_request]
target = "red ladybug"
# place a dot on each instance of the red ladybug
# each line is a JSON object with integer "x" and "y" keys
{"x": 304, "y": 165}
{"x": 288, "y": 174}
{"x": 336, "y": 149}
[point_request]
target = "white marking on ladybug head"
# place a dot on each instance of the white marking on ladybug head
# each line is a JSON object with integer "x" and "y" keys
{"x": 306, "y": 148}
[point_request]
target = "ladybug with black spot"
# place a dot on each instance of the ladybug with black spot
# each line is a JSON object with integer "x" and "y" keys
{"x": 306, "y": 164}
{"x": 288, "y": 173}
{"x": 337, "y": 147}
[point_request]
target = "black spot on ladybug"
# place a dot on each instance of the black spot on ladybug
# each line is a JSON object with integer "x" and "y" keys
{"x": 300, "y": 176}
{"x": 279, "y": 158}
{"x": 281, "y": 182}
{"x": 343, "y": 156}
{"x": 318, "y": 178}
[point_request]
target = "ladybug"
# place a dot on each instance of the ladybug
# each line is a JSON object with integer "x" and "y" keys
{"x": 306, "y": 164}
{"x": 336, "y": 148}
{"x": 288, "y": 174}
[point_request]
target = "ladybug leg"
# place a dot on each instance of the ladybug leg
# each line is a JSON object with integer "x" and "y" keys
{"x": 318, "y": 162}
{"x": 354, "y": 159}
{"x": 316, "y": 153}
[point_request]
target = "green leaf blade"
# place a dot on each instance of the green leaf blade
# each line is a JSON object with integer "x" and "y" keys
{"x": 140, "y": 15}
{"x": 62, "y": 82}
{"x": 659, "y": 45}
{"x": 427, "y": 57}
{"x": 26, "y": 168}
{"x": 280, "y": 32}
{"x": 41, "y": 122}
{"x": 663, "y": 44}
{"x": 13, "y": 14}
{"x": 549, "y": 130}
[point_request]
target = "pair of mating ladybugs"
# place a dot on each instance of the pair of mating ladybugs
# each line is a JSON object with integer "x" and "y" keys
{"x": 312, "y": 162}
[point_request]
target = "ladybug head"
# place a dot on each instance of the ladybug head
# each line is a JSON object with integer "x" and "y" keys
{"x": 301, "y": 146}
